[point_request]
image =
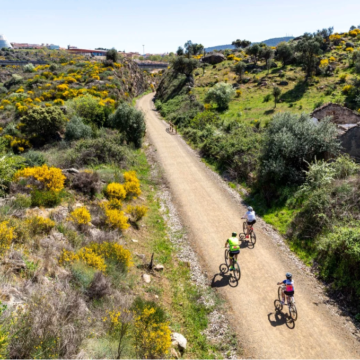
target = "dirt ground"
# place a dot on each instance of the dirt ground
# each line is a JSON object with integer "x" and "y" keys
{"x": 211, "y": 212}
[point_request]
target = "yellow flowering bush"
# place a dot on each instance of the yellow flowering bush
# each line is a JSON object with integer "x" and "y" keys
{"x": 39, "y": 225}
{"x": 132, "y": 184}
{"x": 6, "y": 236}
{"x": 85, "y": 255}
{"x": 116, "y": 219}
{"x": 152, "y": 339}
{"x": 52, "y": 178}
{"x": 349, "y": 49}
{"x": 113, "y": 251}
{"x": 332, "y": 59}
{"x": 207, "y": 106}
{"x": 324, "y": 63}
{"x": 19, "y": 145}
{"x": 137, "y": 212}
{"x": 238, "y": 93}
{"x": 116, "y": 190}
{"x": 343, "y": 77}
{"x": 62, "y": 87}
{"x": 80, "y": 216}
{"x": 60, "y": 102}
{"x": 346, "y": 89}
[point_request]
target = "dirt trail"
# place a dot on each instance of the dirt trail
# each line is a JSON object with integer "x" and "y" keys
{"x": 210, "y": 214}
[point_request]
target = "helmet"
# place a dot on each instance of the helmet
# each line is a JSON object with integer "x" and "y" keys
{"x": 289, "y": 276}
{"x": 250, "y": 208}
{"x": 234, "y": 234}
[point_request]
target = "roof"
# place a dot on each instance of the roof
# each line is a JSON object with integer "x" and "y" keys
{"x": 334, "y": 105}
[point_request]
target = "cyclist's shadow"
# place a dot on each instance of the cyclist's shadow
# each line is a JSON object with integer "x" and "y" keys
{"x": 245, "y": 243}
{"x": 280, "y": 318}
{"x": 224, "y": 278}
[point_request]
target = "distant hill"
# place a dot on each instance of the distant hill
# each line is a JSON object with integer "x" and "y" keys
{"x": 269, "y": 42}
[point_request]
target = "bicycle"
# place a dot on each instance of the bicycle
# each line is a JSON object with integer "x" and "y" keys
{"x": 251, "y": 234}
{"x": 236, "y": 271}
{"x": 290, "y": 303}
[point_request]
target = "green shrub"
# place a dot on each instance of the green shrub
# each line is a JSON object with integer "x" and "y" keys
{"x": 291, "y": 142}
{"x": 15, "y": 80}
{"x": 204, "y": 118}
{"x": 76, "y": 129}
{"x": 112, "y": 55}
{"x": 130, "y": 122}
{"x": 45, "y": 198}
{"x": 139, "y": 305}
{"x": 21, "y": 201}
{"x": 83, "y": 274}
{"x": 43, "y": 124}
{"x": 53, "y": 67}
{"x": 88, "y": 108}
{"x": 34, "y": 158}
{"x": 29, "y": 68}
{"x": 9, "y": 164}
{"x": 344, "y": 166}
{"x": 221, "y": 94}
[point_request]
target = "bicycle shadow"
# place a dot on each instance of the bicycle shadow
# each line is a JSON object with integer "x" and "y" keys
{"x": 245, "y": 243}
{"x": 280, "y": 318}
{"x": 224, "y": 278}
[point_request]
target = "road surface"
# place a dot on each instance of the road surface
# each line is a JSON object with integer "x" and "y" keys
{"x": 211, "y": 213}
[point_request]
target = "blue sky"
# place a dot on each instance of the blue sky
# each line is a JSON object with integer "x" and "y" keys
{"x": 164, "y": 25}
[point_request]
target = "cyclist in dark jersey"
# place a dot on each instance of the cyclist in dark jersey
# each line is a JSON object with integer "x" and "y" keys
{"x": 289, "y": 287}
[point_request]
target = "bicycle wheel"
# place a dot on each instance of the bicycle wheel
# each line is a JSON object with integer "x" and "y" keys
{"x": 244, "y": 227}
{"x": 279, "y": 293}
{"x": 226, "y": 255}
{"x": 237, "y": 271}
{"x": 253, "y": 237}
{"x": 293, "y": 311}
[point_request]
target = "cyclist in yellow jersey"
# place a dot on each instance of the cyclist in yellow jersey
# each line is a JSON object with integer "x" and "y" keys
{"x": 234, "y": 248}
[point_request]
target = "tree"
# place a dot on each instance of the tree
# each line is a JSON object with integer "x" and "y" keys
{"x": 239, "y": 69}
{"x": 291, "y": 142}
{"x": 184, "y": 65}
{"x": 193, "y": 49}
{"x": 221, "y": 94}
{"x": 180, "y": 51}
{"x": 266, "y": 53}
{"x": 276, "y": 93}
{"x": 284, "y": 52}
{"x": 309, "y": 49}
{"x": 112, "y": 55}
{"x": 254, "y": 50}
{"x": 130, "y": 122}
{"x": 352, "y": 27}
{"x": 241, "y": 43}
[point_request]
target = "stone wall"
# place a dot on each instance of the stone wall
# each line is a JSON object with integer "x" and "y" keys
{"x": 350, "y": 142}
{"x": 339, "y": 114}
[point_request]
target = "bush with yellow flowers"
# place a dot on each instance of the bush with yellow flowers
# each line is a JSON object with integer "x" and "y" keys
{"x": 51, "y": 179}
{"x": 132, "y": 184}
{"x": 238, "y": 93}
{"x": 116, "y": 218}
{"x": 39, "y": 225}
{"x": 152, "y": 339}
{"x": 6, "y": 236}
{"x": 86, "y": 255}
{"x": 80, "y": 216}
{"x": 113, "y": 252}
{"x": 137, "y": 212}
{"x": 116, "y": 191}
{"x": 346, "y": 89}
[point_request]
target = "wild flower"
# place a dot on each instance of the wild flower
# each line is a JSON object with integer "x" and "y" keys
{"x": 6, "y": 236}
{"x": 116, "y": 190}
{"x": 132, "y": 184}
{"x": 52, "y": 178}
{"x": 80, "y": 216}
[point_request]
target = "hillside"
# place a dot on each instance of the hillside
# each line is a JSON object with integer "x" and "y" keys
{"x": 87, "y": 257}
{"x": 269, "y": 42}
{"x": 249, "y": 120}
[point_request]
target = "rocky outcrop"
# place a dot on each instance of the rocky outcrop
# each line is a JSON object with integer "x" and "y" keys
{"x": 213, "y": 59}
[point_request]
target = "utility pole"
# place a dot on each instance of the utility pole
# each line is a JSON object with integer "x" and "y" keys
{"x": 143, "y": 49}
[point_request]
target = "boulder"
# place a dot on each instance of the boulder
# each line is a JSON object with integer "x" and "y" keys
{"x": 141, "y": 256}
{"x": 213, "y": 59}
{"x": 174, "y": 353}
{"x": 180, "y": 339}
{"x": 146, "y": 278}
{"x": 283, "y": 83}
{"x": 349, "y": 44}
{"x": 159, "y": 267}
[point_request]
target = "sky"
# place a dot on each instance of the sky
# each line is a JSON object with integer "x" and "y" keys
{"x": 162, "y": 26}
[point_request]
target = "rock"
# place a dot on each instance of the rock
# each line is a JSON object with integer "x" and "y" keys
{"x": 135, "y": 241}
{"x": 174, "y": 353}
{"x": 159, "y": 267}
{"x": 213, "y": 59}
{"x": 156, "y": 297}
{"x": 283, "y": 83}
{"x": 349, "y": 44}
{"x": 180, "y": 339}
{"x": 71, "y": 171}
{"x": 146, "y": 278}
{"x": 141, "y": 256}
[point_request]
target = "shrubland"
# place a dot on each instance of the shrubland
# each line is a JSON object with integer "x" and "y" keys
{"x": 76, "y": 190}
{"x": 250, "y": 118}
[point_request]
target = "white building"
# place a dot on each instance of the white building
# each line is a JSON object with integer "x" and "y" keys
{"x": 4, "y": 43}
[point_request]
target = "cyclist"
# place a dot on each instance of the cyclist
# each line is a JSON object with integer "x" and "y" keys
{"x": 251, "y": 219}
{"x": 289, "y": 287}
{"x": 234, "y": 248}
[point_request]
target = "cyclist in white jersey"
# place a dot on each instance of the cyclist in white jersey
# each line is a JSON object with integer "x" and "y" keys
{"x": 251, "y": 219}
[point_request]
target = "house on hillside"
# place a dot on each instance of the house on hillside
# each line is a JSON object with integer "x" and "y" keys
{"x": 348, "y": 124}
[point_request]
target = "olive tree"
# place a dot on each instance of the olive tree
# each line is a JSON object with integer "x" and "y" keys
{"x": 239, "y": 69}
{"x": 221, "y": 94}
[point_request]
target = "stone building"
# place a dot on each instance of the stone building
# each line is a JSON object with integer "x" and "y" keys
{"x": 348, "y": 124}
